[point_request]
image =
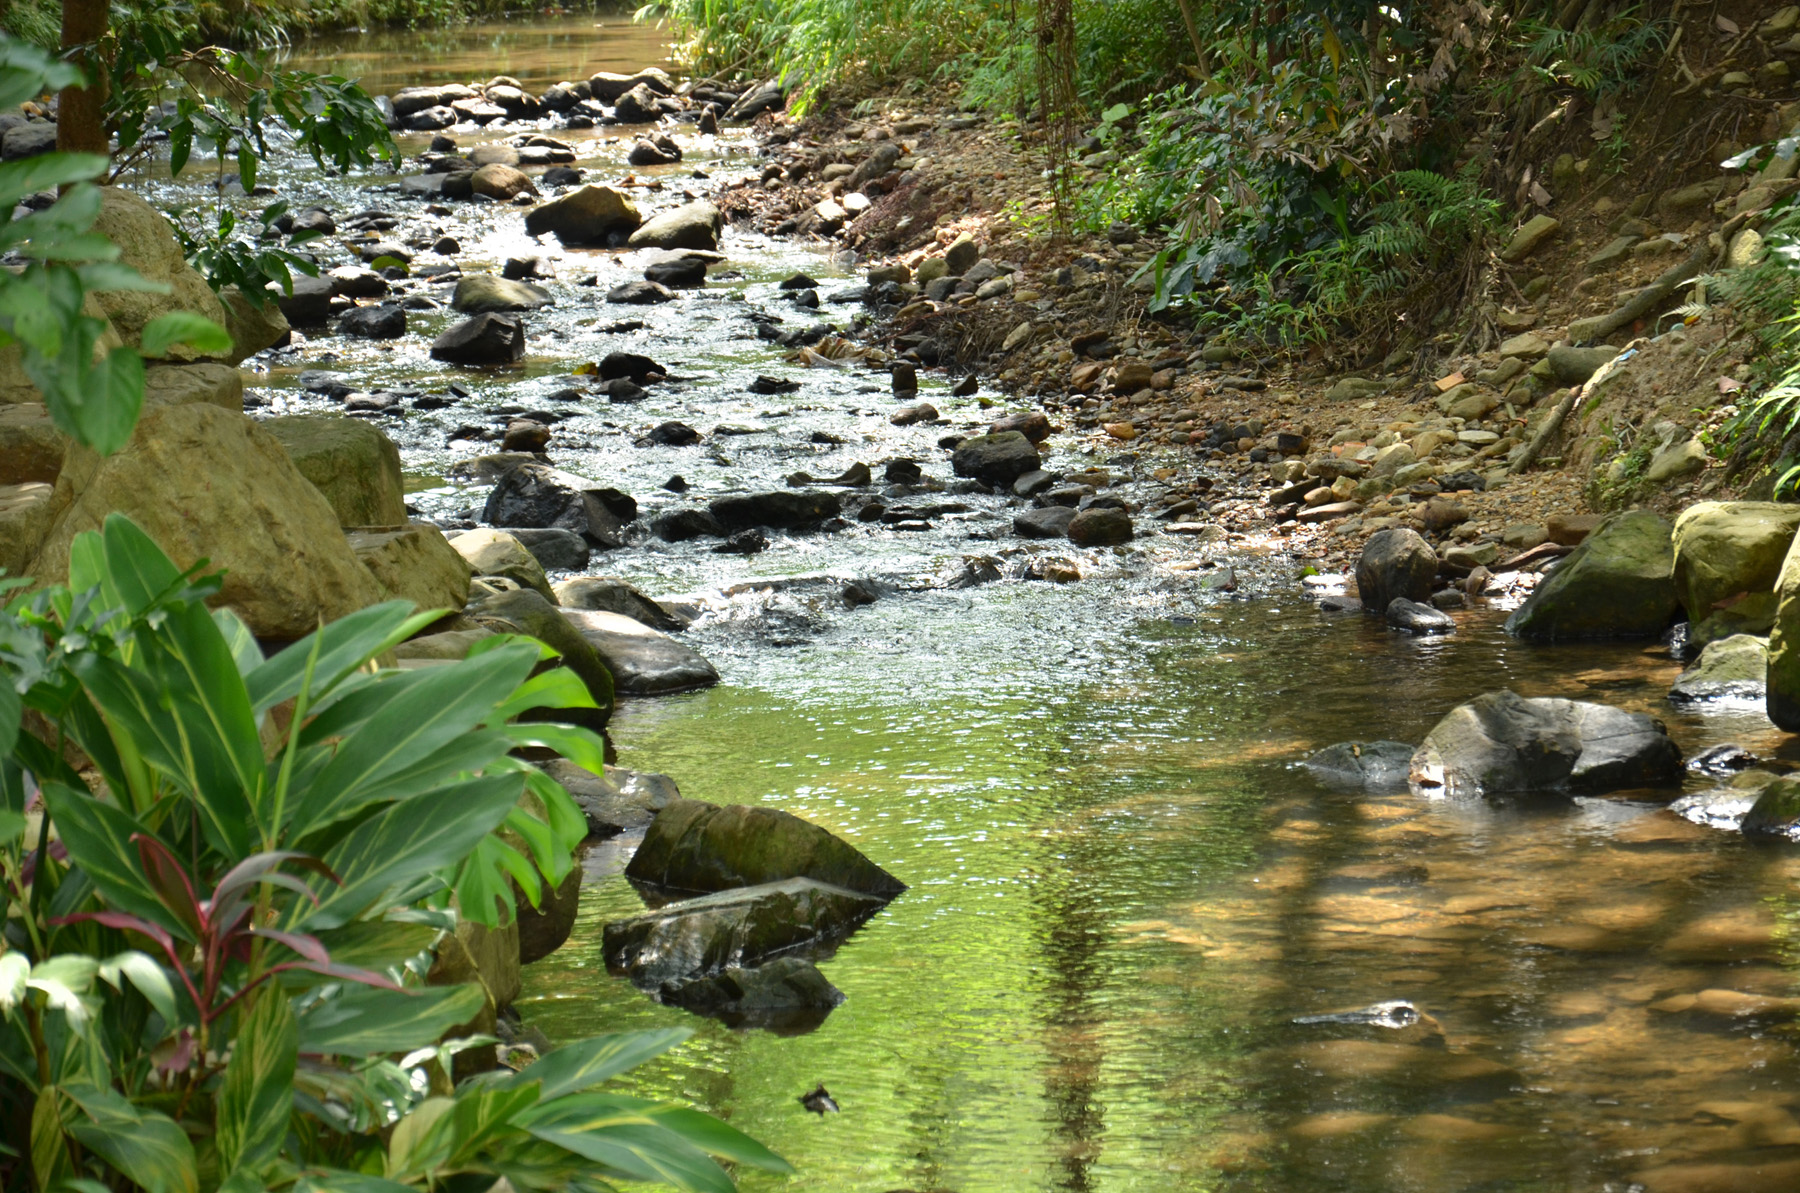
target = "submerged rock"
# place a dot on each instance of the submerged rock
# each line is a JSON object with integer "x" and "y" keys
{"x": 697, "y": 846}
{"x": 788, "y": 994}
{"x": 1376, "y": 766}
{"x": 619, "y": 801}
{"x": 1415, "y": 618}
{"x": 1619, "y": 583}
{"x": 789, "y": 509}
{"x": 1501, "y": 743}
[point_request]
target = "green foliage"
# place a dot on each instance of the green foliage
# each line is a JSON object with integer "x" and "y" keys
{"x": 213, "y": 978}
{"x": 1597, "y": 60}
{"x": 227, "y": 256}
{"x": 92, "y": 395}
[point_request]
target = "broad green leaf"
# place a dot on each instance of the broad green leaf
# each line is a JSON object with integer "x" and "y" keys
{"x": 629, "y": 1143}
{"x": 12, "y": 710}
{"x": 46, "y": 172}
{"x": 586, "y": 1063}
{"x": 256, "y": 1097}
{"x": 98, "y": 837}
{"x": 184, "y": 327}
{"x": 385, "y": 946}
{"x": 404, "y": 721}
{"x": 242, "y": 642}
{"x": 50, "y": 1162}
{"x": 420, "y": 1142}
{"x": 583, "y": 747}
{"x": 558, "y": 687}
{"x": 12, "y": 826}
{"x": 368, "y": 1021}
{"x": 136, "y": 573}
{"x": 143, "y": 972}
{"x": 337, "y": 1180}
{"x": 482, "y": 890}
{"x": 481, "y": 1114}
{"x": 702, "y": 1130}
{"x": 344, "y": 645}
{"x": 404, "y": 842}
{"x": 133, "y": 1139}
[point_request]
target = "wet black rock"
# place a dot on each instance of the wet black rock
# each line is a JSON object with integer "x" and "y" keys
{"x": 906, "y": 416}
{"x": 799, "y": 282}
{"x": 790, "y": 509}
{"x": 686, "y": 273}
{"x": 674, "y": 434}
{"x": 1051, "y": 522}
{"x": 678, "y": 526}
{"x": 903, "y": 472}
{"x": 539, "y": 496}
{"x": 637, "y": 106}
{"x": 310, "y": 303}
{"x": 623, "y": 389}
{"x": 787, "y": 994}
{"x": 1727, "y": 759}
{"x": 744, "y": 542}
{"x": 484, "y": 339}
{"x": 632, "y": 365}
{"x": 553, "y": 548}
{"x": 640, "y": 294}
{"x": 429, "y": 119}
{"x": 765, "y": 384}
{"x": 1415, "y": 618}
{"x": 1378, "y": 766}
{"x": 561, "y": 176}
{"x": 374, "y": 323}
{"x": 649, "y": 152}
{"x": 905, "y": 378}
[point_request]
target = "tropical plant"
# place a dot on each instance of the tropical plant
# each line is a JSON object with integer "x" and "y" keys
{"x": 226, "y": 255}
{"x": 215, "y": 928}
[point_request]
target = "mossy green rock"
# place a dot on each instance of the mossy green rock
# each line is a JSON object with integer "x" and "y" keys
{"x": 696, "y": 846}
{"x": 1783, "y": 697}
{"x": 680, "y": 942}
{"x": 1619, "y": 583}
{"x": 353, "y": 464}
{"x": 1776, "y": 812}
{"x": 1727, "y": 549}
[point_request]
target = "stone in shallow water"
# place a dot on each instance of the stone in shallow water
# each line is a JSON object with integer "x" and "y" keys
{"x": 697, "y": 846}
{"x": 643, "y": 661}
{"x": 787, "y": 995}
{"x": 1502, "y": 743}
{"x": 1379, "y": 765}
{"x": 1731, "y": 669}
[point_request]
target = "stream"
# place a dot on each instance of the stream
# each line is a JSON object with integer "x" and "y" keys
{"x": 1123, "y": 890}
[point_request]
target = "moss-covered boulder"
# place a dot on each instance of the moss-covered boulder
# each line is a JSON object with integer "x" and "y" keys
{"x": 696, "y": 846}
{"x": 1728, "y": 555}
{"x": 1732, "y": 668}
{"x": 1783, "y": 696}
{"x": 353, "y": 464}
{"x": 1776, "y": 812}
{"x": 1619, "y": 583}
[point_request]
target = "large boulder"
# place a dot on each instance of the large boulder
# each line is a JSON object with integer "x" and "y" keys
{"x": 1728, "y": 554}
{"x": 218, "y": 385}
{"x": 206, "y": 483}
{"x": 523, "y": 611}
{"x": 415, "y": 563}
{"x": 1500, "y": 743}
{"x": 696, "y": 846}
{"x": 1619, "y": 583}
{"x": 486, "y": 339}
{"x": 480, "y": 292}
{"x": 538, "y": 496}
{"x": 604, "y": 594}
{"x": 785, "y": 509}
{"x": 619, "y": 801}
{"x": 691, "y": 226}
{"x": 252, "y": 328}
{"x": 607, "y": 87}
{"x": 544, "y": 928}
{"x": 31, "y": 448}
{"x": 352, "y": 463}
{"x": 1783, "y": 697}
{"x": 1734, "y": 668}
{"x": 637, "y": 106}
{"x": 588, "y": 215}
{"x": 679, "y": 942}
{"x": 147, "y": 244}
{"x": 26, "y": 512}
{"x": 995, "y": 459}
{"x": 497, "y": 553}
{"x": 643, "y": 661}
{"x": 1395, "y": 563}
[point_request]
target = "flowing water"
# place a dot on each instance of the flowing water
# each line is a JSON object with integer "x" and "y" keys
{"x": 1123, "y": 891}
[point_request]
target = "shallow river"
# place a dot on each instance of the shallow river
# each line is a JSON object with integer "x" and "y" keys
{"x": 1122, "y": 890}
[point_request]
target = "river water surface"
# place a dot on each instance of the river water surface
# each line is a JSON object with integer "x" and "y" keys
{"x": 1123, "y": 891}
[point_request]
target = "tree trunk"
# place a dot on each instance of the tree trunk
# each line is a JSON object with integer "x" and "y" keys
{"x": 81, "y": 111}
